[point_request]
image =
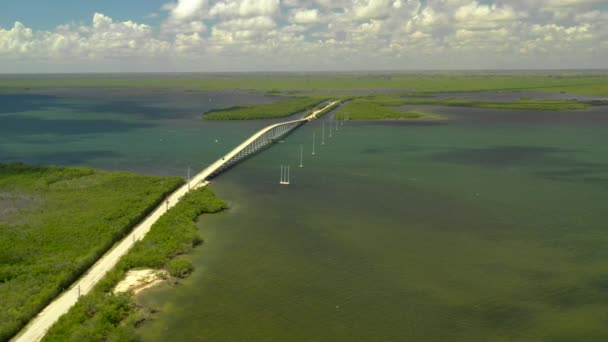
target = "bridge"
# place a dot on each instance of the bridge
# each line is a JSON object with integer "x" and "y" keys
{"x": 256, "y": 142}
{"x": 37, "y": 327}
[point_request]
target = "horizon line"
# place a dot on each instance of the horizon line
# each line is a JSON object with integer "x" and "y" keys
{"x": 353, "y": 71}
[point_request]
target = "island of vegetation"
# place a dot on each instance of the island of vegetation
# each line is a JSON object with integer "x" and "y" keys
{"x": 375, "y": 96}
{"x": 385, "y": 107}
{"x": 103, "y": 314}
{"x": 55, "y": 222}
{"x": 324, "y": 108}
{"x": 395, "y": 100}
{"x": 368, "y": 110}
{"x": 274, "y": 110}
{"x": 579, "y": 82}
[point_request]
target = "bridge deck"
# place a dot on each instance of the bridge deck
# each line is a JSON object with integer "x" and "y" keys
{"x": 36, "y": 329}
{"x": 234, "y": 155}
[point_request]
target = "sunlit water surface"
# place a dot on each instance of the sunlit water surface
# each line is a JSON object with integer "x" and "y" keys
{"x": 490, "y": 226}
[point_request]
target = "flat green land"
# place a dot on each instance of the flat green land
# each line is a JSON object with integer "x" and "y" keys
{"x": 307, "y": 90}
{"x": 264, "y": 111}
{"x": 326, "y": 110}
{"x": 524, "y": 104}
{"x": 368, "y": 110}
{"x": 55, "y": 222}
{"x": 590, "y": 83}
{"x": 384, "y": 107}
{"x": 104, "y": 316}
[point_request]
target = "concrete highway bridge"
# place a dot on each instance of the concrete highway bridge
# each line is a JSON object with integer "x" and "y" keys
{"x": 37, "y": 327}
{"x": 256, "y": 142}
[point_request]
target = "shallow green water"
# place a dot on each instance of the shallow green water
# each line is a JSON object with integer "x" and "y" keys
{"x": 489, "y": 227}
{"x": 458, "y": 232}
{"x": 154, "y": 131}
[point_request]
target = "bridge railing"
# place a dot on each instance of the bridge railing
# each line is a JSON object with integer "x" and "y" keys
{"x": 255, "y": 143}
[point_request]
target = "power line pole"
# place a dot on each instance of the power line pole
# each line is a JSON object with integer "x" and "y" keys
{"x": 323, "y": 135}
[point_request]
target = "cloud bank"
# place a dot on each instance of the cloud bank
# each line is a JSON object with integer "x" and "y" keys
{"x": 250, "y": 35}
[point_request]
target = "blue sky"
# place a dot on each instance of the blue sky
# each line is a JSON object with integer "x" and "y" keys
{"x": 254, "y": 35}
{"x": 47, "y": 14}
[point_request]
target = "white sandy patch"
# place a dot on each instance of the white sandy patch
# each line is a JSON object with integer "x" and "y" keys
{"x": 201, "y": 184}
{"x": 138, "y": 280}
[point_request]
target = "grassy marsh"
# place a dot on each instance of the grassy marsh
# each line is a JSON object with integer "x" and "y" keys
{"x": 58, "y": 221}
{"x": 590, "y": 83}
{"x": 102, "y": 315}
{"x": 525, "y": 104}
{"x": 368, "y": 110}
{"x": 264, "y": 111}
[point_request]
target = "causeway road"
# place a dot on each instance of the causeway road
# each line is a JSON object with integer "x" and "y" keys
{"x": 37, "y": 327}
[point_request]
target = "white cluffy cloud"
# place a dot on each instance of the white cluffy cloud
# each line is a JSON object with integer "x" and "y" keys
{"x": 327, "y": 34}
{"x": 103, "y": 39}
{"x": 244, "y": 8}
{"x": 185, "y": 9}
{"x": 306, "y": 16}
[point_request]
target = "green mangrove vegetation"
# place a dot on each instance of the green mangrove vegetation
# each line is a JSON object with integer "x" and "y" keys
{"x": 55, "y": 222}
{"x": 580, "y": 82}
{"x": 384, "y": 107}
{"x": 103, "y": 315}
{"x": 264, "y": 111}
{"x": 300, "y": 92}
{"x": 525, "y": 104}
{"x": 324, "y": 111}
{"x": 369, "y": 110}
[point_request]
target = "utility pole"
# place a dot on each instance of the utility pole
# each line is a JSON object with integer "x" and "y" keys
{"x": 188, "y": 178}
{"x": 313, "y": 142}
{"x": 323, "y": 135}
{"x": 284, "y": 175}
{"x": 301, "y": 155}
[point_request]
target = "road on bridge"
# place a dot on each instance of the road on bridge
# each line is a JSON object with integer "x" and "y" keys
{"x": 38, "y": 327}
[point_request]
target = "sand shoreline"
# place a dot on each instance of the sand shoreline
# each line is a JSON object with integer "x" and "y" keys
{"x": 141, "y": 279}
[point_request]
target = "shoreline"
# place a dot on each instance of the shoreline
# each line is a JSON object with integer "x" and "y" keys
{"x": 137, "y": 280}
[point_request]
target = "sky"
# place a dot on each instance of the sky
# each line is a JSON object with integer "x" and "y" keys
{"x": 310, "y": 35}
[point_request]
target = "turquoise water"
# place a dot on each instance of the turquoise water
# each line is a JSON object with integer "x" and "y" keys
{"x": 487, "y": 227}
{"x": 393, "y": 232}
{"x": 154, "y": 131}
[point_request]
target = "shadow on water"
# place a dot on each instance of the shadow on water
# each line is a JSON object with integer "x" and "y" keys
{"x": 133, "y": 109}
{"x": 149, "y": 104}
{"x": 504, "y": 156}
{"x": 500, "y": 317}
{"x": 15, "y": 103}
{"x": 59, "y": 158}
{"x": 597, "y": 115}
{"x": 144, "y": 106}
{"x": 21, "y": 125}
{"x": 391, "y": 149}
{"x": 548, "y": 162}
